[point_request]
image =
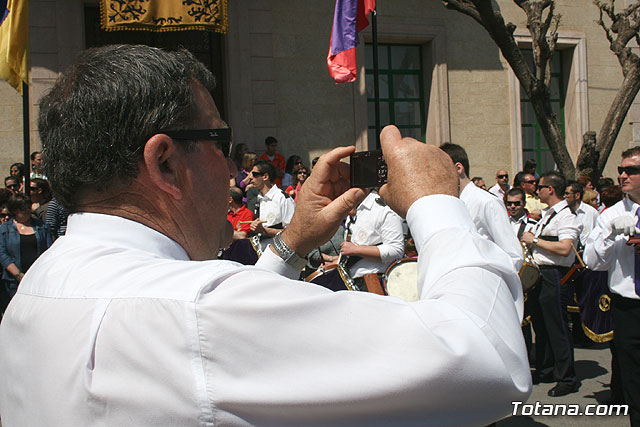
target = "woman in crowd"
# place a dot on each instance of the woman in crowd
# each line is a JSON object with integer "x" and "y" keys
{"x": 300, "y": 175}
{"x": 242, "y": 178}
{"x": 237, "y": 154}
{"x": 292, "y": 163}
{"x": 17, "y": 171}
{"x": 22, "y": 240}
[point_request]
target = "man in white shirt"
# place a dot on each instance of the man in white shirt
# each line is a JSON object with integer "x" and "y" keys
{"x": 377, "y": 238}
{"x": 487, "y": 211}
{"x": 514, "y": 202}
{"x": 502, "y": 184}
{"x": 587, "y": 215}
{"x": 275, "y": 207}
{"x": 552, "y": 241}
{"x": 607, "y": 249}
{"x": 529, "y": 183}
{"x": 129, "y": 319}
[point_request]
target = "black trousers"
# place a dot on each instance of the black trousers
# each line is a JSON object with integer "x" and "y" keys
{"x": 554, "y": 343}
{"x": 626, "y": 321}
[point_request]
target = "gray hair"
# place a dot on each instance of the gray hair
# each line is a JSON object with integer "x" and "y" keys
{"x": 97, "y": 117}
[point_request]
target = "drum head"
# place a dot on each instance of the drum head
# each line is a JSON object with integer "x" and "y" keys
{"x": 402, "y": 279}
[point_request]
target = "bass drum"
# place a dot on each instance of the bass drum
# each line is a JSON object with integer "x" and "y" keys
{"x": 332, "y": 277}
{"x": 244, "y": 251}
{"x": 401, "y": 279}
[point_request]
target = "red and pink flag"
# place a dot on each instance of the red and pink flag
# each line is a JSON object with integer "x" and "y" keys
{"x": 350, "y": 17}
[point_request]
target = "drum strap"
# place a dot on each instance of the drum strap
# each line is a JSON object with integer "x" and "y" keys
{"x": 521, "y": 229}
{"x": 373, "y": 283}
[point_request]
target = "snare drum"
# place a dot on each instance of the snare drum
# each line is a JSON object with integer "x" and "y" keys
{"x": 529, "y": 272}
{"x": 332, "y": 277}
{"x": 401, "y": 279}
{"x": 244, "y": 251}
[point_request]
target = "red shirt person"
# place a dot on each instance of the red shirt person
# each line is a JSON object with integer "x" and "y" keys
{"x": 275, "y": 158}
{"x": 239, "y": 216}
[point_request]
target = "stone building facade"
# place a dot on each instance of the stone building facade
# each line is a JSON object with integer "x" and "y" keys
{"x": 274, "y": 81}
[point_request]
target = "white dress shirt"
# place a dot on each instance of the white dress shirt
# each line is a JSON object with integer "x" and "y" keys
{"x": 602, "y": 253}
{"x": 276, "y": 208}
{"x": 529, "y": 224}
{"x": 563, "y": 225}
{"x": 497, "y": 191}
{"x": 587, "y": 216}
{"x": 492, "y": 221}
{"x": 115, "y": 326}
{"x": 376, "y": 225}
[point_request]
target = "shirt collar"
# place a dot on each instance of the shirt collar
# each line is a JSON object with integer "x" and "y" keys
{"x": 112, "y": 230}
{"x": 558, "y": 206}
{"x": 271, "y": 193}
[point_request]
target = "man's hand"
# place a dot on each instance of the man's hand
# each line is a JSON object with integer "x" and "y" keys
{"x": 348, "y": 248}
{"x": 256, "y": 226}
{"x": 527, "y": 238}
{"x": 323, "y": 202}
{"x": 415, "y": 170}
{"x": 623, "y": 225}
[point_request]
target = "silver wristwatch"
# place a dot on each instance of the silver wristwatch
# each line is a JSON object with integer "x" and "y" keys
{"x": 535, "y": 241}
{"x": 289, "y": 256}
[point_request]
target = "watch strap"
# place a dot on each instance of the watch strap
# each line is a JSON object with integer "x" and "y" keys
{"x": 288, "y": 255}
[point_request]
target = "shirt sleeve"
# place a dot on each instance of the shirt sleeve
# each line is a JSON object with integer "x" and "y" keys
{"x": 569, "y": 228}
{"x": 599, "y": 250}
{"x": 282, "y": 352}
{"x": 392, "y": 247}
{"x": 497, "y": 221}
{"x": 288, "y": 207}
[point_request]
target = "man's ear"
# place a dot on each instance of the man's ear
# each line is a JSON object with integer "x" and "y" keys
{"x": 162, "y": 160}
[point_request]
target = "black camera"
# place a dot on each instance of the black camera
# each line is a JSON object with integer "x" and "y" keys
{"x": 368, "y": 169}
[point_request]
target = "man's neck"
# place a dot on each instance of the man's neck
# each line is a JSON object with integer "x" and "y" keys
{"x": 234, "y": 207}
{"x": 504, "y": 187}
{"x": 517, "y": 218}
{"x": 464, "y": 180}
{"x": 553, "y": 200}
{"x": 634, "y": 196}
{"x": 265, "y": 189}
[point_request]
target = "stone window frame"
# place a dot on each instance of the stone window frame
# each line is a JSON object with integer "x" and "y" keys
{"x": 576, "y": 106}
{"x": 433, "y": 42}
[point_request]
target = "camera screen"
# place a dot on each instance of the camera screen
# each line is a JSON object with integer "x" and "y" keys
{"x": 365, "y": 169}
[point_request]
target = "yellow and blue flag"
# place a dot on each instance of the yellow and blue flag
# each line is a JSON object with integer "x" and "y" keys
{"x": 14, "y": 42}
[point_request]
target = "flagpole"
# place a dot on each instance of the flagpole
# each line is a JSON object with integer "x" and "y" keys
{"x": 25, "y": 136}
{"x": 376, "y": 75}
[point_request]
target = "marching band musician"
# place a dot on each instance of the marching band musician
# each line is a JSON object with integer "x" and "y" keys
{"x": 514, "y": 201}
{"x": 607, "y": 249}
{"x": 132, "y": 319}
{"x": 487, "y": 211}
{"x": 377, "y": 239}
{"x": 552, "y": 241}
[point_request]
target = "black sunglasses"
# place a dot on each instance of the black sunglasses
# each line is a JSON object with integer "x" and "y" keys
{"x": 630, "y": 170}
{"x": 533, "y": 181}
{"x": 502, "y": 176}
{"x": 222, "y": 137}
{"x": 540, "y": 187}
{"x": 257, "y": 173}
{"x": 514, "y": 203}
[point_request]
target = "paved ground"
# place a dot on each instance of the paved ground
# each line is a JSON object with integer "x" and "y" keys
{"x": 593, "y": 366}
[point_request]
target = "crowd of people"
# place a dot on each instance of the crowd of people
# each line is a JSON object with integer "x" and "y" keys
{"x": 144, "y": 314}
{"x": 544, "y": 221}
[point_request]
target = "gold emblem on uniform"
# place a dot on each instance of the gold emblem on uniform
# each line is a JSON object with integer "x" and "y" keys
{"x": 605, "y": 302}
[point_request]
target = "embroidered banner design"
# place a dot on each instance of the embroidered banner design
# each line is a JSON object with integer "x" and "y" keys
{"x": 164, "y": 15}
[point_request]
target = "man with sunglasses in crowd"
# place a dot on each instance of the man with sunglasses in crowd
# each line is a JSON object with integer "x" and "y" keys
{"x": 528, "y": 183}
{"x": 275, "y": 207}
{"x": 129, "y": 319}
{"x": 520, "y": 221}
{"x": 552, "y": 241}
{"x": 607, "y": 249}
{"x": 502, "y": 184}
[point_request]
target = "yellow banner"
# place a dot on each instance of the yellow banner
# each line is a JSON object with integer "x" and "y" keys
{"x": 14, "y": 43}
{"x": 164, "y": 15}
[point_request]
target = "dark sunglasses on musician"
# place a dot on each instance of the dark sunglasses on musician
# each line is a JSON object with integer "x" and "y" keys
{"x": 630, "y": 170}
